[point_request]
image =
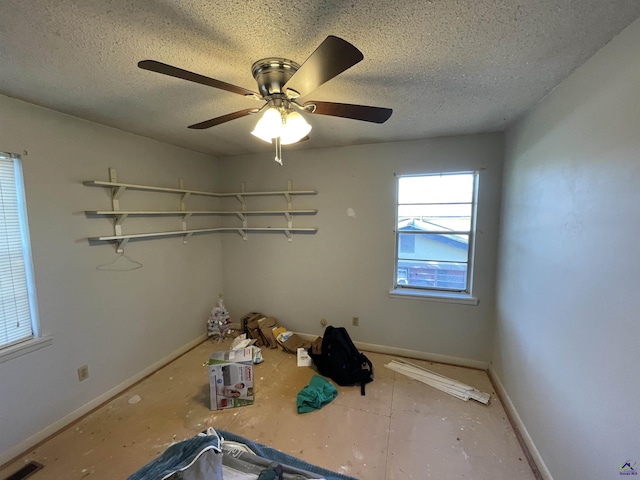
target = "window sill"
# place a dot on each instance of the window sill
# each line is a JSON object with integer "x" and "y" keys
{"x": 27, "y": 346}
{"x": 461, "y": 298}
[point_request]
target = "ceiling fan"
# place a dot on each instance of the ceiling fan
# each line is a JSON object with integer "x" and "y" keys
{"x": 281, "y": 82}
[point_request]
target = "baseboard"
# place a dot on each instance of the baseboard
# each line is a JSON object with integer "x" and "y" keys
{"x": 403, "y": 352}
{"x": 538, "y": 466}
{"x": 55, "y": 427}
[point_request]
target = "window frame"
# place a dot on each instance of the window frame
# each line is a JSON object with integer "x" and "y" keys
{"x": 34, "y": 340}
{"x": 465, "y": 295}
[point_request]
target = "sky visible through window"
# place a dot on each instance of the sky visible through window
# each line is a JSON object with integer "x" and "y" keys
{"x": 443, "y": 201}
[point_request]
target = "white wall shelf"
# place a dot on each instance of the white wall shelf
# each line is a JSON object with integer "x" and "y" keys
{"x": 122, "y": 240}
{"x": 121, "y": 187}
{"x": 188, "y": 213}
{"x": 118, "y": 189}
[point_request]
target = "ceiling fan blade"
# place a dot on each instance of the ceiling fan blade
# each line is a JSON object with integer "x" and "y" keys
{"x": 331, "y": 58}
{"x": 224, "y": 118}
{"x": 355, "y": 112}
{"x": 159, "y": 67}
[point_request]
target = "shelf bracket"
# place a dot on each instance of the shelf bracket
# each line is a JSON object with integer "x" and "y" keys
{"x": 186, "y": 238}
{"x": 117, "y": 193}
{"x": 121, "y": 244}
{"x": 185, "y": 196}
{"x": 242, "y": 218}
{"x": 120, "y": 218}
{"x": 240, "y": 197}
{"x": 185, "y": 218}
{"x": 289, "y": 236}
{"x": 289, "y": 219}
{"x": 287, "y": 196}
{"x": 243, "y": 233}
{"x": 117, "y": 224}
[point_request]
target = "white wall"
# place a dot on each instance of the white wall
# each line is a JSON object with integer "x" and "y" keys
{"x": 347, "y": 268}
{"x": 567, "y": 332}
{"x": 119, "y": 323}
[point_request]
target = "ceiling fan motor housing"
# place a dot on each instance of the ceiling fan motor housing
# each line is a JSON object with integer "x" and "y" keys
{"x": 272, "y": 74}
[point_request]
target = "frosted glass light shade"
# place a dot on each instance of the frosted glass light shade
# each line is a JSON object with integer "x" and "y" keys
{"x": 269, "y": 126}
{"x": 295, "y": 129}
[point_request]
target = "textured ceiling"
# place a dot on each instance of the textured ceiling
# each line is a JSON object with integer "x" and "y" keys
{"x": 445, "y": 67}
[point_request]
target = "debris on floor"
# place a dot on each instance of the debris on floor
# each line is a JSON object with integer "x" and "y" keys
{"x": 290, "y": 342}
{"x": 241, "y": 341}
{"x": 303, "y": 358}
{"x": 267, "y": 332}
{"x": 442, "y": 383}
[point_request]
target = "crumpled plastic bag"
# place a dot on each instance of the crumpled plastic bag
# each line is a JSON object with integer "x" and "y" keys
{"x": 241, "y": 341}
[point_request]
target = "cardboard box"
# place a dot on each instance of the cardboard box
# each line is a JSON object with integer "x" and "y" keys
{"x": 231, "y": 378}
{"x": 253, "y": 327}
{"x": 277, "y": 331}
{"x": 267, "y": 324}
{"x": 250, "y": 318}
{"x": 290, "y": 342}
{"x": 294, "y": 342}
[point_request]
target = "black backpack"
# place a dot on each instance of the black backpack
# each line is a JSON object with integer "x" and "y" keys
{"x": 335, "y": 356}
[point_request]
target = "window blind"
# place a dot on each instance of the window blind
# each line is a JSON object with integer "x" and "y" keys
{"x": 16, "y": 323}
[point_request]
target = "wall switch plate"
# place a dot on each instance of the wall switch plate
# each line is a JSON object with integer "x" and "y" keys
{"x": 356, "y": 321}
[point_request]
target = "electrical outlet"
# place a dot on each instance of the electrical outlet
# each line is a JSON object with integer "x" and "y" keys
{"x": 83, "y": 373}
{"x": 355, "y": 321}
{"x": 323, "y": 322}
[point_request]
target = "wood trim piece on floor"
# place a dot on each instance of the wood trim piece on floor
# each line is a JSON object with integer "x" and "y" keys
{"x": 87, "y": 408}
{"x": 540, "y": 470}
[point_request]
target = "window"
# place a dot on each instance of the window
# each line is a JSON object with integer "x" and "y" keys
{"x": 435, "y": 233}
{"x": 18, "y": 321}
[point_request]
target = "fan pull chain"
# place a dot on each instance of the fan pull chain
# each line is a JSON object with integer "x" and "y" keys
{"x": 278, "y": 145}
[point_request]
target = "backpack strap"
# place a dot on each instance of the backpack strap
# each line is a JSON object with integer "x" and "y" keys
{"x": 364, "y": 358}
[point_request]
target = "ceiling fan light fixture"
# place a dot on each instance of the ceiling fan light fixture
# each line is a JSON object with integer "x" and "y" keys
{"x": 281, "y": 82}
{"x": 269, "y": 126}
{"x": 294, "y": 129}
